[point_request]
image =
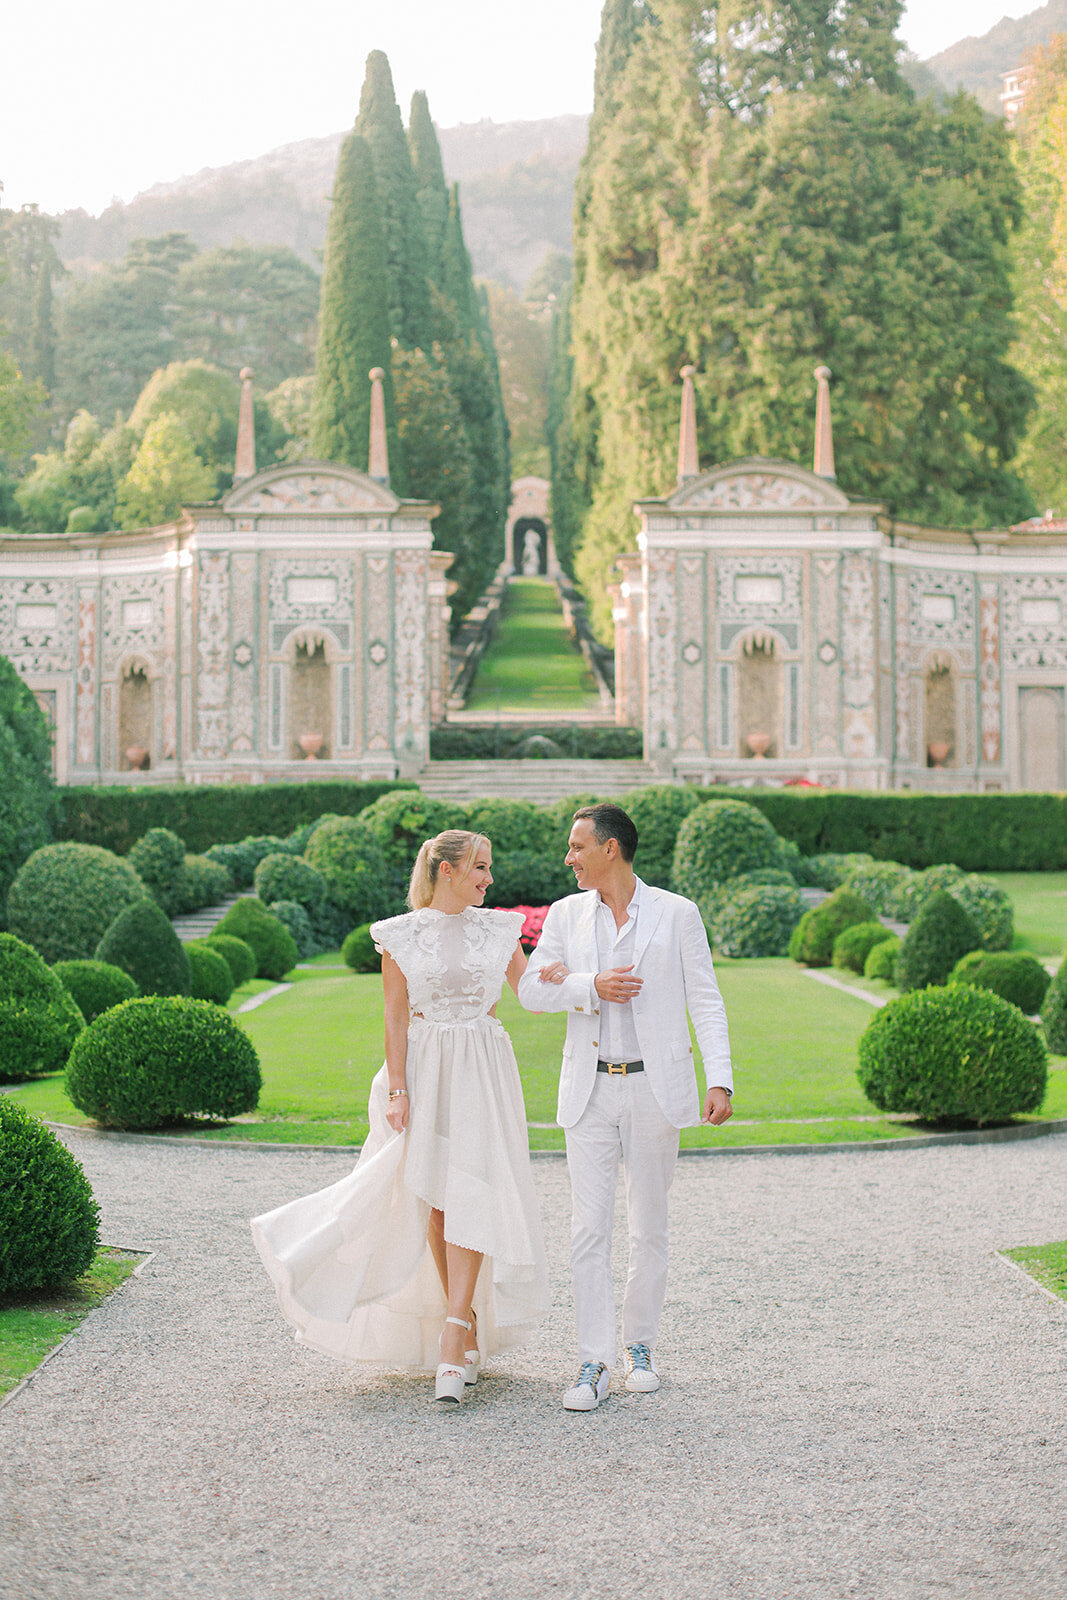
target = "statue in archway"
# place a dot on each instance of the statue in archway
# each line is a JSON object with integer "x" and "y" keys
{"x": 531, "y": 553}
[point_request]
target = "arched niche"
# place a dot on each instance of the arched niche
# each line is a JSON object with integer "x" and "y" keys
{"x": 310, "y": 653}
{"x": 760, "y": 696}
{"x": 136, "y": 718}
{"x": 1041, "y": 739}
{"x": 529, "y": 539}
{"x": 940, "y": 695}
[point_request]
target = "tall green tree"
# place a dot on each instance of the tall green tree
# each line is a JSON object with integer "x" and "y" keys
{"x": 248, "y": 305}
{"x": 431, "y": 188}
{"x": 435, "y": 441}
{"x": 354, "y": 327}
{"x": 380, "y": 123}
{"x": 26, "y": 245}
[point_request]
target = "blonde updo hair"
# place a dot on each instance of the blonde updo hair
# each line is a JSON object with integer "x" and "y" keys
{"x": 457, "y": 847}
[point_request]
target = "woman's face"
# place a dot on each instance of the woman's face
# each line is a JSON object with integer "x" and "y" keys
{"x": 471, "y": 885}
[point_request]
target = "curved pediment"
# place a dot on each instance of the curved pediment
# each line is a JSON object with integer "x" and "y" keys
{"x": 310, "y": 486}
{"x": 759, "y": 484}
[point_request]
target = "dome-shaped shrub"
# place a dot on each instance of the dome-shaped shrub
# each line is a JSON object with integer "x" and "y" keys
{"x": 359, "y": 953}
{"x": 886, "y": 887}
{"x": 718, "y": 840}
{"x": 990, "y": 908}
{"x": 160, "y": 1059}
{"x": 882, "y": 961}
{"x": 509, "y": 825}
{"x": 1054, "y": 1013}
{"x": 350, "y": 858}
{"x": 237, "y": 954}
{"x": 813, "y": 938}
{"x": 854, "y": 945}
{"x": 95, "y": 986}
{"x": 273, "y": 946}
{"x": 830, "y": 870}
{"x": 953, "y": 1052}
{"x": 143, "y": 943}
{"x": 158, "y": 858}
{"x": 296, "y": 921}
{"x": 66, "y": 896}
{"x": 756, "y": 921}
{"x": 201, "y": 882}
{"x": 210, "y": 976}
{"x": 284, "y": 877}
{"x": 658, "y": 812}
{"x": 49, "y": 1221}
{"x": 39, "y": 1020}
{"x": 939, "y": 936}
{"x": 400, "y": 821}
{"x": 1013, "y": 974}
{"x": 238, "y": 860}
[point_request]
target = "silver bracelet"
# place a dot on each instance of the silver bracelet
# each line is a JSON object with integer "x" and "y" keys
{"x": 394, "y": 1094}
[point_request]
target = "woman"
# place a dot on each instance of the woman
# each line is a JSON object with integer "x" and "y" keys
{"x": 429, "y": 1254}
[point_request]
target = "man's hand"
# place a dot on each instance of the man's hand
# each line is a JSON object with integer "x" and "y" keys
{"x": 717, "y": 1107}
{"x": 553, "y": 972}
{"x": 617, "y": 984}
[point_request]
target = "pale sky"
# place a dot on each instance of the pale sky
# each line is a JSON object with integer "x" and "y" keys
{"x": 103, "y": 100}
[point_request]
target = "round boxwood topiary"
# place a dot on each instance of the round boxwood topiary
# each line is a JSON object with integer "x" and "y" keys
{"x": 95, "y": 986}
{"x": 400, "y": 821}
{"x": 210, "y": 976}
{"x": 359, "y": 953}
{"x": 66, "y": 896}
{"x": 813, "y": 938}
{"x": 658, "y": 812}
{"x": 882, "y": 961}
{"x": 237, "y": 954}
{"x": 353, "y": 863}
{"x": 280, "y": 876}
{"x": 885, "y": 885}
{"x": 1054, "y": 1013}
{"x": 939, "y": 936}
{"x": 1013, "y": 974}
{"x": 854, "y": 945}
{"x": 990, "y": 908}
{"x": 238, "y": 860}
{"x": 272, "y": 943}
{"x": 295, "y": 919}
{"x": 158, "y": 858}
{"x": 955, "y": 1052}
{"x": 162, "y": 1059}
{"x": 719, "y": 840}
{"x": 49, "y": 1221}
{"x": 143, "y": 943}
{"x": 830, "y": 870}
{"x": 756, "y": 920}
{"x": 39, "y": 1019}
{"x": 509, "y": 825}
{"x": 201, "y": 882}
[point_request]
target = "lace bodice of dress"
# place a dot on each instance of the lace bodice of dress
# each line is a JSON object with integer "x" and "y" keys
{"x": 454, "y": 963}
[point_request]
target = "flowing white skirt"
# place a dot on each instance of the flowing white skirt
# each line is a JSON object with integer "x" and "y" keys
{"x": 351, "y": 1264}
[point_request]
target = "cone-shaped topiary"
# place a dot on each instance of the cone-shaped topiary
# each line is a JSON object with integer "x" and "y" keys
{"x": 272, "y": 943}
{"x": 95, "y": 986}
{"x": 1013, "y": 974}
{"x": 721, "y": 839}
{"x": 39, "y": 1020}
{"x": 941, "y": 933}
{"x": 854, "y": 945}
{"x": 237, "y": 953}
{"x": 161, "y": 1059}
{"x": 209, "y": 973}
{"x": 49, "y": 1221}
{"x": 1054, "y": 1013}
{"x": 66, "y": 896}
{"x": 954, "y": 1052}
{"x": 142, "y": 942}
{"x": 813, "y": 938}
{"x": 359, "y": 951}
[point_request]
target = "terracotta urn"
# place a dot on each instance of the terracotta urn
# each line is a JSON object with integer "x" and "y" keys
{"x": 759, "y": 744}
{"x": 311, "y": 744}
{"x": 937, "y": 750}
{"x": 137, "y": 756}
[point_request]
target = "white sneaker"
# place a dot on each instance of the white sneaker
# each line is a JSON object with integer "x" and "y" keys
{"x": 594, "y": 1381}
{"x": 641, "y": 1375}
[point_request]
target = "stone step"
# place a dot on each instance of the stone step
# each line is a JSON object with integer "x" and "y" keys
{"x": 540, "y": 781}
{"x": 198, "y": 924}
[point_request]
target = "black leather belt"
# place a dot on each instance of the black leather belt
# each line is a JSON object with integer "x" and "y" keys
{"x": 619, "y": 1069}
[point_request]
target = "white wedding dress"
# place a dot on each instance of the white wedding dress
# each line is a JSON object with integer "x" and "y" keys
{"x": 351, "y": 1265}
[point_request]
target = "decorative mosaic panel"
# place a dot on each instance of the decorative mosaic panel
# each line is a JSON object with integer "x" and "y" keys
{"x": 319, "y": 492}
{"x": 908, "y": 725}
{"x": 751, "y": 490}
{"x": 213, "y": 654}
{"x": 133, "y": 622}
{"x": 85, "y": 684}
{"x": 787, "y": 569}
{"x": 857, "y": 656}
{"x": 377, "y": 676}
{"x": 989, "y": 669}
{"x": 662, "y": 614}
{"x": 692, "y": 671}
{"x": 952, "y": 621}
{"x": 1035, "y": 634}
{"x": 243, "y": 676}
{"x": 411, "y": 686}
{"x": 37, "y": 624}
{"x": 285, "y": 609}
{"x": 827, "y": 707}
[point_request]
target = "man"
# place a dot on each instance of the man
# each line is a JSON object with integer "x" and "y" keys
{"x": 626, "y": 962}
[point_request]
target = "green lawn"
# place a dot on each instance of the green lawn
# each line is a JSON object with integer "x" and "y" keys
{"x": 532, "y": 663}
{"x": 33, "y": 1324}
{"x": 1040, "y": 900}
{"x": 794, "y": 1044}
{"x": 1045, "y": 1262}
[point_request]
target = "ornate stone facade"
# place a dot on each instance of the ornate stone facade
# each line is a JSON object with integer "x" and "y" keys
{"x": 192, "y": 635}
{"x": 771, "y": 629}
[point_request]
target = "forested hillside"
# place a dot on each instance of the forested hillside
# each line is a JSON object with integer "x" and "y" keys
{"x": 975, "y": 64}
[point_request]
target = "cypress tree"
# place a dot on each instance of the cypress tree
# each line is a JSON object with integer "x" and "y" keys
{"x": 430, "y": 186}
{"x": 380, "y": 123}
{"x": 353, "y": 318}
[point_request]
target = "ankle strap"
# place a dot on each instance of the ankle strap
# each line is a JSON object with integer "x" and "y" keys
{"x": 459, "y": 1323}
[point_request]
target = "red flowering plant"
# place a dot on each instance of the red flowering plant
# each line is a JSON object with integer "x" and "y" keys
{"x": 532, "y": 925}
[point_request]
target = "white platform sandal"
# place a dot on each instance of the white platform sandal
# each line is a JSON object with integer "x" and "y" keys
{"x": 473, "y": 1357}
{"x": 451, "y": 1380}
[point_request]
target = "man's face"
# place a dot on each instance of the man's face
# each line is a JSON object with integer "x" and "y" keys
{"x": 590, "y": 862}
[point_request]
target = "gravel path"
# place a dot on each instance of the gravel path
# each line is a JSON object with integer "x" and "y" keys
{"x": 861, "y": 1400}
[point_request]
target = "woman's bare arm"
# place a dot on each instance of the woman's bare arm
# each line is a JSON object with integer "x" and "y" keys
{"x": 396, "y": 1040}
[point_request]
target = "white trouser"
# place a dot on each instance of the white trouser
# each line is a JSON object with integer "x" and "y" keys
{"x": 623, "y": 1120}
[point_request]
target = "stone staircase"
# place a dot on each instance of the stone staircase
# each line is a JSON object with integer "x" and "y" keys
{"x": 198, "y": 924}
{"x": 540, "y": 781}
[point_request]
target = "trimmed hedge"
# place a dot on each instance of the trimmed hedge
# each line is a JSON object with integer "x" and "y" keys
{"x": 719, "y": 840}
{"x": 829, "y": 871}
{"x": 143, "y": 943}
{"x": 958, "y": 1053}
{"x": 206, "y": 814}
{"x": 272, "y": 943}
{"x": 813, "y": 938}
{"x": 39, "y": 1019}
{"x": 882, "y": 960}
{"x": 358, "y": 878}
{"x": 95, "y": 986}
{"x": 49, "y": 1221}
{"x": 1054, "y": 1013}
{"x": 854, "y": 945}
{"x": 237, "y": 954}
{"x": 492, "y": 741}
{"x": 359, "y": 952}
{"x": 209, "y": 973}
{"x": 939, "y": 936}
{"x": 66, "y": 896}
{"x": 158, "y": 1060}
{"x": 1013, "y": 974}
{"x": 529, "y": 878}
{"x": 400, "y": 822}
{"x": 889, "y": 889}
{"x": 202, "y": 882}
{"x": 756, "y": 921}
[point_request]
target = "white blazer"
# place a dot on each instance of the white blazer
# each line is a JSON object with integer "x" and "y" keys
{"x": 673, "y": 957}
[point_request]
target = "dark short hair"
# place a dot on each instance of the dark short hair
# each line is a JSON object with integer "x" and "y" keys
{"x": 611, "y": 822}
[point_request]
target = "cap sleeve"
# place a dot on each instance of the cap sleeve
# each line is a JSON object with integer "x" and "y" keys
{"x": 509, "y": 925}
{"x": 392, "y": 936}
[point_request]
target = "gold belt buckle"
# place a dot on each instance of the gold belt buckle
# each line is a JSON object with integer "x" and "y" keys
{"x": 616, "y": 1069}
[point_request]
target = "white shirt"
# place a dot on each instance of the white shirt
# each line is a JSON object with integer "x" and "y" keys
{"x": 615, "y": 948}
